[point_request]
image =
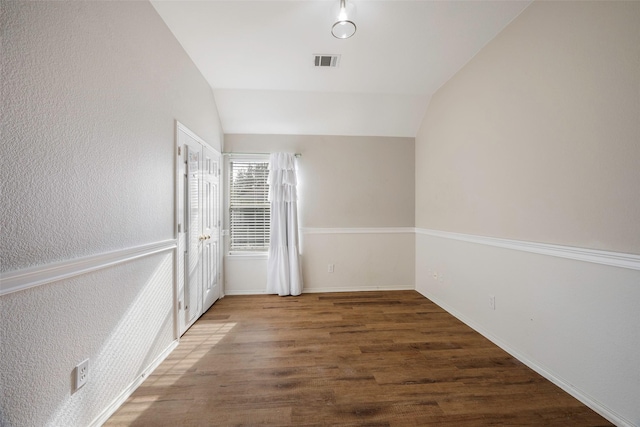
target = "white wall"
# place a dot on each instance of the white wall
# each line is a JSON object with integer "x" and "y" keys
{"x": 363, "y": 261}
{"x": 356, "y": 211}
{"x": 90, "y": 95}
{"x": 536, "y": 140}
{"x": 573, "y": 321}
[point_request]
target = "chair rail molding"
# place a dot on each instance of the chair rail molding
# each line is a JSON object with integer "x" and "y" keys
{"x": 615, "y": 259}
{"x": 14, "y": 281}
{"x": 364, "y": 230}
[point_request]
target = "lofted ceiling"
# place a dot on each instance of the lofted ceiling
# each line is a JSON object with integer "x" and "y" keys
{"x": 258, "y": 58}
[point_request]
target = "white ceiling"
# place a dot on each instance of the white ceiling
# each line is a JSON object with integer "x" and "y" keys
{"x": 258, "y": 58}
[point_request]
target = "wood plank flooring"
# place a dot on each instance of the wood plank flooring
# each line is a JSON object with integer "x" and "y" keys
{"x": 350, "y": 359}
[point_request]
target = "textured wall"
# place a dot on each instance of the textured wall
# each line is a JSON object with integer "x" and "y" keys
{"x": 120, "y": 318}
{"x": 90, "y": 95}
{"x": 538, "y": 137}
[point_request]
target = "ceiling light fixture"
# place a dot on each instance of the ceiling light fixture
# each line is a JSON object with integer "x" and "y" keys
{"x": 344, "y": 26}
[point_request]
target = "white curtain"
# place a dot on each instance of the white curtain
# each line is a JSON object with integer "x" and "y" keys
{"x": 284, "y": 275}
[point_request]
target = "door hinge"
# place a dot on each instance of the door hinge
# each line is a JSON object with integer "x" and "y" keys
{"x": 179, "y": 150}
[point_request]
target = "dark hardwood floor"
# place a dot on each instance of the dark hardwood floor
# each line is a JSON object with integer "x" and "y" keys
{"x": 360, "y": 359}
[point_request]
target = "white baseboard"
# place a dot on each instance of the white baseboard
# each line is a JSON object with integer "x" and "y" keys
{"x": 113, "y": 407}
{"x": 551, "y": 376}
{"x": 245, "y": 292}
{"x": 318, "y": 290}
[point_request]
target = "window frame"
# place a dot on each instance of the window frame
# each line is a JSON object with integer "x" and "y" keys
{"x": 262, "y": 251}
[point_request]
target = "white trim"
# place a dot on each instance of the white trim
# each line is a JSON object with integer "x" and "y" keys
{"x": 183, "y": 128}
{"x": 615, "y": 259}
{"x": 555, "y": 379}
{"x": 19, "y": 280}
{"x": 246, "y": 292}
{"x": 122, "y": 397}
{"x": 318, "y": 290}
{"x": 175, "y": 294}
{"x": 372, "y": 230}
{"x": 259, "y": 157}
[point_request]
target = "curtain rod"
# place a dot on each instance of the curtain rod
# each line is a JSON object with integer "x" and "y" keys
{"x": 254, "y": 154}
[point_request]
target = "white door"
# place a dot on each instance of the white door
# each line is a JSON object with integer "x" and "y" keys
{"x": 193, "y": 234}
{"x": 198, "y": 215}
{"x": 210, "y": 227}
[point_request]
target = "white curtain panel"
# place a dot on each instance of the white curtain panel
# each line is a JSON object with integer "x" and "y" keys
{"x": 284, "y": 274}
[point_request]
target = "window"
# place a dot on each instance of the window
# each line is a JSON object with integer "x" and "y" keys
{"x": 249, "y": 212}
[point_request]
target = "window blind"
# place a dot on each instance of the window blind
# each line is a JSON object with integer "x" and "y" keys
{"x": 249, "y": 212}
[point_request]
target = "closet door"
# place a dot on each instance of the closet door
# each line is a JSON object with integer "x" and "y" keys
{"x": 194, "y": 237}
{"x": 198, "y": 217}
{"x": 210, "y": 227}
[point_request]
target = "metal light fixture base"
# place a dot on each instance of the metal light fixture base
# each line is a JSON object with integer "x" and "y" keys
{"x": 343, "y": 15}
{"x": 343, "y": 29}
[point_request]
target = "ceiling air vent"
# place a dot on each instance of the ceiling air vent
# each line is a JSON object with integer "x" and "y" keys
{"x": 323, "y": 61}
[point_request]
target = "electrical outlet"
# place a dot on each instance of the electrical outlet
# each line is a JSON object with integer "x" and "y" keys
{"x": 492, "y": 302}
{"x": 82, "y": 373}
{"x": 330, "y": 268}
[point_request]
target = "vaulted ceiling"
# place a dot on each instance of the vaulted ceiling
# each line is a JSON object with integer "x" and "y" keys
{"x": 258, "y": 57}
